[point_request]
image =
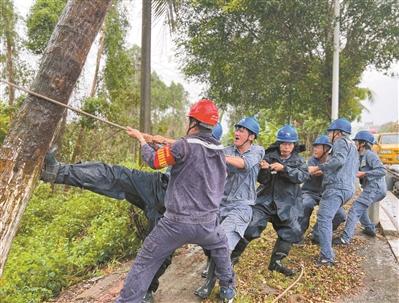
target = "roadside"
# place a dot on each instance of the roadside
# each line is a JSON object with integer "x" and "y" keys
{"x": 381, "y": 273}
{"x": 375, "y": 280}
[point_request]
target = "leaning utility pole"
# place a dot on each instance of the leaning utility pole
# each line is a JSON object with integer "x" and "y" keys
{"x": 145, "y": 105}
{"x": 335, "y": 80}
{"x": 33, "y": 128}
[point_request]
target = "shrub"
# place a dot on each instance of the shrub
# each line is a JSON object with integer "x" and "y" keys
{"x": 62, "y": 239}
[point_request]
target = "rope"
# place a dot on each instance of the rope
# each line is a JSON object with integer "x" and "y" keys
{"x": 147, "y": 137}
{"x": 291, "y": 286}
{"x": 63, "y": 105}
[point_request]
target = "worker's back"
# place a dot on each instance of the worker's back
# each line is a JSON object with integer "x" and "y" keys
{"x": 197, "y": 179}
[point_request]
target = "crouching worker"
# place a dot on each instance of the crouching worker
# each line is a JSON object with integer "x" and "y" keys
{"x": 279, "y": 197}
{"x": 312, "y": 188}
{"x": 192, "y": 202}
{"x": 372, "y": 179}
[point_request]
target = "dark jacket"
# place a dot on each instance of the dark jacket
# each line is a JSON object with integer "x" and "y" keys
{"x": 313, "y": 185}
{"x": 282, "y": 190}
{"x": 197, "y": 179}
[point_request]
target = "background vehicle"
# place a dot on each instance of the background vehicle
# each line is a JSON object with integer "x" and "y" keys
{"x": 387, "y": 147}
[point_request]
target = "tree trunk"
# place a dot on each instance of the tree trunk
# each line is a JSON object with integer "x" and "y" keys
{"x": 8, "y": 17}
{"x": 100, "y": 51}
{"x": 33, "y": 129}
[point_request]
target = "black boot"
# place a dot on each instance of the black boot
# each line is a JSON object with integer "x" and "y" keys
{"x": 369, "y": 232}
{"x": 50, "y": 166}
{"x": 280, "y": 251}
{"x": 238, "y": 250}
{"x": 227, "y": 294}
{"x": 205, "y": 290}
{"x": 204, "y": 273}
{"x": 339, "y": 241}
{"x": 148, "y": 298}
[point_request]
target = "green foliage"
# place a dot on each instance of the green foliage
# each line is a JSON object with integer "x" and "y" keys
{"x": 8, "y": 19}
{"x": 278, "y": 54}
{"x": 41, "y": 22}
{"x": 270, "y": 121}
{"x": 12, "y": 67}
{"x": 4, "y": 120}
{"x": 168, "y": 107}
{"x": 96, "y": 106}
{"x": 6, "y": 112}
{"x": 62, "y": 239}
{"x": 168, "y": 9}
{"x": 120, "y": 73}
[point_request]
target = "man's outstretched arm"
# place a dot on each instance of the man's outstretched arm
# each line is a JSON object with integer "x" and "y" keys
{"x": 156, "y": 159}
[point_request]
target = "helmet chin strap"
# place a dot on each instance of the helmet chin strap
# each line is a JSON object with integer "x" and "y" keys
{"x": 195, "y": 124}
{"x": 361, "y": 144}
{"x": 244, "y": 142}
{"x": 325, "y": 151}
{"x": 334, "y": 136}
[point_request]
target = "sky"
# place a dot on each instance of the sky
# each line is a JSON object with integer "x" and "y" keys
{"x": 385, "y": 89}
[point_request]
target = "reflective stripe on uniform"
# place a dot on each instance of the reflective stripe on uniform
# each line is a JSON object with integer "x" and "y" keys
{"x": 205, "y": 144}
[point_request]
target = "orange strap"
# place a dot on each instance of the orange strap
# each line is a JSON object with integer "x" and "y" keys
{"x": 163, "y": 157}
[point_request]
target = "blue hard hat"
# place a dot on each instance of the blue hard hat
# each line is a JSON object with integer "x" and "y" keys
{"x": 217, "y": 131}
{"x": 341, "y": 124}
{"x": 365, "y": 135}
{"x": 287, "y": 133}
{"x": 249, "y": 123}
{"x": 322, "y": 140}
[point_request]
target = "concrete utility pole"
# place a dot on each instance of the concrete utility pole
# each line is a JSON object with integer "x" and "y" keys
{"x": 335, "y": 80}
{"x": 145, "y": 105}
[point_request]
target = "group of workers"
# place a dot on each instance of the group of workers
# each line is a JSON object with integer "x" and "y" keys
{"x": 221, "y": 198}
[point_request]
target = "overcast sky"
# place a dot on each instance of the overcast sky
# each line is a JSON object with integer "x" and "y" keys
{"x": 385, "y": 89}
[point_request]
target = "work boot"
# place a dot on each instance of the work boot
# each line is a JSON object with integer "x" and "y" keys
{"x": 278, "y": 266}
{"x": 205, "y": 290}
{"x": 204, "y": 273}
{"x": 369, "y": 232}
{"x": 238, "y": 250}
{"x": 148, "y": 298}
{"x": 300, "y": 243}
{"x": 280, "y": 251}
{"x": 50, "y": 166}
{"x": 315, "y": 241}
{"x": 324, "y": 263}
{"x": 234, "y": 259}
{"x": 227, "y": 294}
{"x": 339, "y": 241}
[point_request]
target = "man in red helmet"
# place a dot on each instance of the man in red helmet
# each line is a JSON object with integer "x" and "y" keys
{"x": 192, "y": 200}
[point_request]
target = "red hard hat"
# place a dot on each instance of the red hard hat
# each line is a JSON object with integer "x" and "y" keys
{"x": 205, "y": 111}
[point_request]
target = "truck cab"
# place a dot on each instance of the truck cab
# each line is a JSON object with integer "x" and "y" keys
{"x": 387, "y": 147}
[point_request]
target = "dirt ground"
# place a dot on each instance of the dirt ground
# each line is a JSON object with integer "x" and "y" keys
{"x": 177, "y": 285}
{"x": 183, "y": 276}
